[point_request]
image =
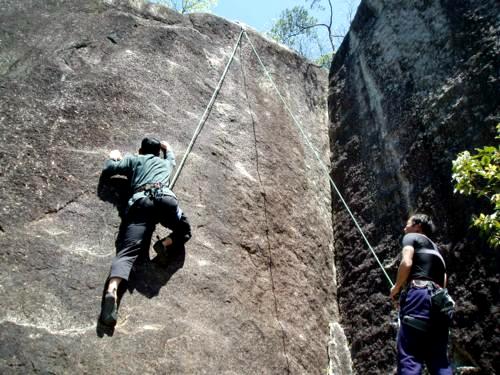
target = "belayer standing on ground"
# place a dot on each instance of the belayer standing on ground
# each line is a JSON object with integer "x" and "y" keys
{"x": 152, "y": 202}
{"x": 425, "y": 307}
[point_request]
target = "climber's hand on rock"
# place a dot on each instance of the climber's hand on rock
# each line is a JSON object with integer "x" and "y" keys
{"x": 164, "y": 146}
{"x": 115, "y": 155}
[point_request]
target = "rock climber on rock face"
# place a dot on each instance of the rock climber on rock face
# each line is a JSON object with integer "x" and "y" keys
{"x": 152, "y": 202}
{"x": 423, "y": 334}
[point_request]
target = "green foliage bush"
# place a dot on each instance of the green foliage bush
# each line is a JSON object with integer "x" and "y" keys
{"x": 479, "y": 174}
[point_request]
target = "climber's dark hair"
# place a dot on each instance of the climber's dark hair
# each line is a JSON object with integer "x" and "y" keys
{"x": 425, "y": 222}
{"x": 150, "y": 146}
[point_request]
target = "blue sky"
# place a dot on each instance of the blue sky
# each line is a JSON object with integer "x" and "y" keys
{"x": 261, "y": 14}
{"x": 258, "y": 14}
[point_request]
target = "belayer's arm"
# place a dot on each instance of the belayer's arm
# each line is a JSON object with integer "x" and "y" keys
{"x": 404, "y": 270}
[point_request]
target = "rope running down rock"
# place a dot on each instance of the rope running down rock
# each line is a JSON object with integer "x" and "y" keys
{"x": 297, "y": 124}
{"x": 316, "y": 154}
{"x": 204, "y": 117}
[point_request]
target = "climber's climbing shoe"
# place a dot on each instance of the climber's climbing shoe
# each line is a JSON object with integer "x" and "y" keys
{"x": 159, "y": 247}
{"x": 109, "y": 313}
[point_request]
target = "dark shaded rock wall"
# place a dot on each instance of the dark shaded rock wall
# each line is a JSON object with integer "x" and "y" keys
{"x": 255, "y": 293}
{"x": 414, "y": 83}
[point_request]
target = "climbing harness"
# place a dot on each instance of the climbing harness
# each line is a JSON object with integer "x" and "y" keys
{"x": 153, "y": 191}
{"x": 442, "y": 305}
{"x": 417, "y": 323}
{"x": 297, "y": 124}
{"x": 147, "y": 187}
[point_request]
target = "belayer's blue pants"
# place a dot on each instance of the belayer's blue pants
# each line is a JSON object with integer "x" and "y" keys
{"x": 416, "y": 347}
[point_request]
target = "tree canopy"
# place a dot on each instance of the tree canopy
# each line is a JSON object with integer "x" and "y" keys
{"x": 295, "y": 28}
{"x": 298, "y": 29}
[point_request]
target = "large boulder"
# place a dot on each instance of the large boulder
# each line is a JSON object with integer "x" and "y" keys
{"x": 255, "y": 291}
{"x": 413, "y": 84}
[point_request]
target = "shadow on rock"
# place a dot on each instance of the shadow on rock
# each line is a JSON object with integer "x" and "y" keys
{"x": 149, "y": 276}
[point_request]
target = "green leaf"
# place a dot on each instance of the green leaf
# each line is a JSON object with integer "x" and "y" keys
{"x": 478, "y": 174}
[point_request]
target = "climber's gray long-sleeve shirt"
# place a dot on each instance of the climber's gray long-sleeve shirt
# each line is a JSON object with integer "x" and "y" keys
{"x": 141, "y": 170}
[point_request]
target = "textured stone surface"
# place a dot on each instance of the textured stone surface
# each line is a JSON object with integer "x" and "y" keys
{"x": 414, "y": 83}
{"x": 256, "y": 291}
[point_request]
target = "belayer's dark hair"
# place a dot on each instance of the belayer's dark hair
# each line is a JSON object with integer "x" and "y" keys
{"x": 425, "y": 222}
{"x": 150, "y": 146}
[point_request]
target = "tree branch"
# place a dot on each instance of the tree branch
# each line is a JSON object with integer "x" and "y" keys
{"x": 303, "y": 28}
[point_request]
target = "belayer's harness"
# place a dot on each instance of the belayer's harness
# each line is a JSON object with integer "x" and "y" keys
{"x": 441, "y": 304}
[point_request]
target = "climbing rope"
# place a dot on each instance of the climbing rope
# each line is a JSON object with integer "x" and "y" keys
{"x": 316, "y": 153}
{"x": 204, "y": 117}
{"x": 297, "y": 124}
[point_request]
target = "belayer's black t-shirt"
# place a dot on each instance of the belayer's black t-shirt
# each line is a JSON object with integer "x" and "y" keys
{"x": 428, "y": 264}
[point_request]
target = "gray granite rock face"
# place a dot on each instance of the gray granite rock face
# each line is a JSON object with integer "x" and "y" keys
{"x": 255, "y": 291}
{"x": 413, "y": 84}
